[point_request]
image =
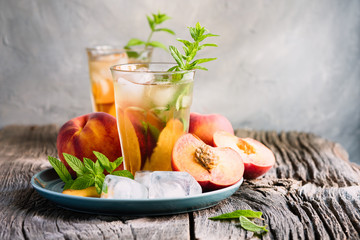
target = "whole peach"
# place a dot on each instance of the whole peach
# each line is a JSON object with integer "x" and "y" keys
{"x": 205, "y": 125}
{"x": 82, "y": 135}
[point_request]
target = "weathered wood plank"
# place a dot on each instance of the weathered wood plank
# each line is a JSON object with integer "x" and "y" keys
{"x": 312, "y": 193}
{"x": 24, "y": 214}
{"x": 290, "y": 210}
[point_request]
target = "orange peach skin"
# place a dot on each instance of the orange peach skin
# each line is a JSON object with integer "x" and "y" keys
{"x": 258, "y": 159}
{"x": 229, "y": 170}
{"x": 204, "y": 126}
{"x": 91, "y": 132}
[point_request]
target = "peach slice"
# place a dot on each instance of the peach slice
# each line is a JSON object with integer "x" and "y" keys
{"x": 213, "y": 168}
{"x": 258, "y": 159}
{"x": 160, "y": 159}
{"x": 87, "y": 192}
{"x": 103, "y": 91}
{"x": 130, "y": 143}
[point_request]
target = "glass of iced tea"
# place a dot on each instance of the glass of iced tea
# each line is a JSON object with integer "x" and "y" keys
{"x": 101, "y": 58}
{"x": 153, "y": 111}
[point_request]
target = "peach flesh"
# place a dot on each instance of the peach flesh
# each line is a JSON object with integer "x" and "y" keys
{"x": 258, "y": 159}
{"x": 228, "y": 170}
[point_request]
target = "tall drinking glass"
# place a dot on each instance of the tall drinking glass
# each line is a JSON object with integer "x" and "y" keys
{"x": 153, "y": 111}
{"x": 101, "y": 58}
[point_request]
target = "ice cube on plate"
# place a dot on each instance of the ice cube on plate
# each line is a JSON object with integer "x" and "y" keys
{"x": 169, "y": 184}
{"x": 143, "y": 177}
{"x": 116, "y": 187}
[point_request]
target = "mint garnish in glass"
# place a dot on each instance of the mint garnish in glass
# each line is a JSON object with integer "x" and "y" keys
{"x": 185, "y": 61}
{"x": 153, "y": 21}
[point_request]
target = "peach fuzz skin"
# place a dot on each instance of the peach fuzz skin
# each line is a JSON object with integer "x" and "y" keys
{"x": 258, "y": 159}
{"x": 82, "y": 135}
{"x": 228, "y": 170}
{"x": 205, "y": 125}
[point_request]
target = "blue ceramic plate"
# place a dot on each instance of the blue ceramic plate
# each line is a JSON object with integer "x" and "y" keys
{"x": 49, "y": 185}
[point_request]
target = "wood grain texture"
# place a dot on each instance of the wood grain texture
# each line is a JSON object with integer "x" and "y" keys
{"x": 313, "y": 192}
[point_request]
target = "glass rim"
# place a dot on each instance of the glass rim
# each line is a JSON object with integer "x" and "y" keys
{"x": 108, "y": 47}
{"x": 113, "y": 68}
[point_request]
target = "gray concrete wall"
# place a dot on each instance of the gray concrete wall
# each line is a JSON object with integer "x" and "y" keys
{"x": 282, "y": 65}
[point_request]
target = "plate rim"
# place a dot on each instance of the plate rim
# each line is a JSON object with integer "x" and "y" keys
{"x": 139, "y": 200}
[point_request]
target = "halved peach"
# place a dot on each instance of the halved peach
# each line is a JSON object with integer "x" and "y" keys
{"x": 258, "y": 159}
{"x": 213, "y": 168}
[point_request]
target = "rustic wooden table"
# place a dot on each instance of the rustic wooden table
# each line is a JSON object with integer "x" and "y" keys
{"x": 313, "y": 192}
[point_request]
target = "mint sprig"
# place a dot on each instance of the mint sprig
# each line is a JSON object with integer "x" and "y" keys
{"x": 185, "y": 61}
{"x": 88, "y": 173}
{"x": 153, "y": 21}
{"x": 243, "y": 216}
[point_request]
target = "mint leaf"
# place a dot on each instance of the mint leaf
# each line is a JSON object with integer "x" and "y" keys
{"x": 82, "y": 182}
{"x": 165, "y": 30}
{"x": 68, "y": 184}
{"x": 104, "y": 161}
{"x": 134, "y": 42}
{"x": 198, "y": 34}
{"x": 99, "y": 180}
{"x": 89, "y": 165}
{"x": 75, "y": 164}
{"x": 238, "y": 213}
{"x": 118, "y": 162}
{"x": 250, "y": 226}
{"x": 123, "y": 173}
{"x": 177, "y": 56}
{"x": 154, "y": 131}
{"x": 157, "y": 44}
{"x": 154, "y": 20}
{"x": 98, "y": 168}
{"x": 60, "y": 169}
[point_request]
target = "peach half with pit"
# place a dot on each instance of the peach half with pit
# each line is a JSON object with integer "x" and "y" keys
{"x": 213, "y": 168}
{"x": 258, "y": 159}
{"x": 205, "y": 125}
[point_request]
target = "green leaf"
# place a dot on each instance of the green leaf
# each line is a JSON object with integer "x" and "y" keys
{"x": 157, "y": 44}
{"x": 68, "y": 185}
{"x": 151, "y": 23}
{"x": 200, "y": 68}
{"x": 185, "y": 42}
{"x": 99, "y": 180}
{"x": 98, "y": 168}
{"x": 82, "y": 182}
{"x": 123, "y": 173}
{"x": 250, "y": 226}
{"x": 118, "y": 161}
{"x": 75, "y": 164}
{"x": 132, "y": 54}
{"x": 105, "y": 188}
{"x": 165, "y": 30}
{"x": 177, "y": 56}
{"x": 174, "y": 68}
{"x": 60, "y": 169}
{"x": 104, "y": 161}
{"x": 134, "y": 42}
{"x": 207, "y": 45}
{"x": 238, "y": 213}
{"x": 154, "y": 131}
{"x": 89, "y": 165}
{"x": 203, "y": 60}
